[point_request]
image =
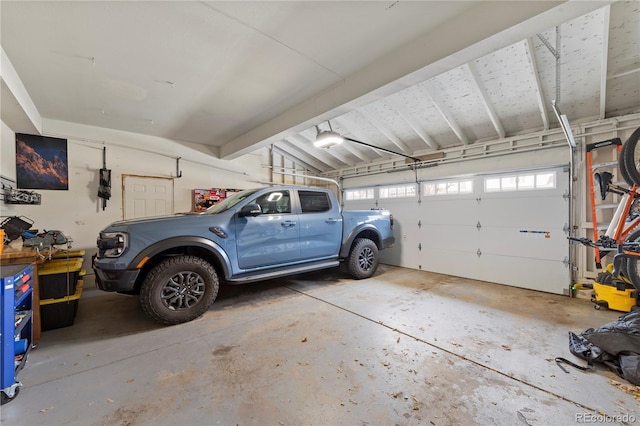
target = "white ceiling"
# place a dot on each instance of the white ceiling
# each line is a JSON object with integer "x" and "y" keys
{"x": 409, "y": 76}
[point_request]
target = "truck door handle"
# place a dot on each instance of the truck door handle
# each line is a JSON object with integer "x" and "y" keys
{"x": 288, "y": 223}
{"x": 331, "y": 220}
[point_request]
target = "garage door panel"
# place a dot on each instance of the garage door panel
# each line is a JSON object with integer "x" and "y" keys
{"x": 519, "y": 241}
{"x": 538, "y": 211}
{"x": 548, "y": 244}
{"x": 441, "y": 211}
{"x": 450, "y": 237}
{"x": 538, "y": 274}
{"x": 400, "y": 253}
{"x": 542, "y": 275}
{"x": 458, "y": 263}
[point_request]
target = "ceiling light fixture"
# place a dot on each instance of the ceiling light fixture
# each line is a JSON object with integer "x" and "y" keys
{"x": 329, "y": 138}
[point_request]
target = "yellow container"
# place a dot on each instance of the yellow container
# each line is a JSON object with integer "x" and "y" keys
{"x": 60, "y": 266}
{"x": 1, "y": 240}
{"x": 618, "y": 300}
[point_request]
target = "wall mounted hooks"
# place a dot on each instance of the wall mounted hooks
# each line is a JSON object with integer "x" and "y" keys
{"x": 178, "y": 171}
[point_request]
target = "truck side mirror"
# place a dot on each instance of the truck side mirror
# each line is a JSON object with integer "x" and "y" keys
{"x": 250, "y": 210}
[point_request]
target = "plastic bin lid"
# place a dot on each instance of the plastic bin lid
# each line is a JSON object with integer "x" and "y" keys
{"x": 60, "y": 266}
{"x": 71, "y": 298}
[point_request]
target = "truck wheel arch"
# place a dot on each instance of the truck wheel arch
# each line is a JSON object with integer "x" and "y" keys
{"x": 196, "y": 246}
{"x": 363, "y": 231}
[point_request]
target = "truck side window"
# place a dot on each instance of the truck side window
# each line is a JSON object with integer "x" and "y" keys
{"x": 275, "y": 202}
{"x": 314, "y": 202}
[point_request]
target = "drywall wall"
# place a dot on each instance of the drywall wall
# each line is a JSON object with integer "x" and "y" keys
{"x": 7, "y": 151}
{"x": 78, "y": 211}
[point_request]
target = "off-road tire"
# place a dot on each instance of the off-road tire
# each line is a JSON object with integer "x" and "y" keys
{"x": 363, "y": 259}
{"x": 632, "y": 270}
{"x": 631, "y": 156}
{"x": 622, "y": 166}
{"x": 179, "y": 289}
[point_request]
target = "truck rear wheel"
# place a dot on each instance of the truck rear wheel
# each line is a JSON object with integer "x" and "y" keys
{"x": 363, "y": 260}
{"x": 179, "y": 289}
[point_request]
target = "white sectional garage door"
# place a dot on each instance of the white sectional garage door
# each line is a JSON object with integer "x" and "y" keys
{"x": 509, "y": 229}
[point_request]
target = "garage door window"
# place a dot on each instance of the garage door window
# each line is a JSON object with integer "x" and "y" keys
{"x": 398, "y": 191}
{"x": 449, "y": 187}
{"x": 359, "y": 194}
{"x": 520, "y": 182}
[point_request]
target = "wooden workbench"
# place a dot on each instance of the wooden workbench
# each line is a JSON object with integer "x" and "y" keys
{"x": 10, "y": 256}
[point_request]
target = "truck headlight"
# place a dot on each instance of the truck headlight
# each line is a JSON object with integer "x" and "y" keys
{"x": 112, "y": 244}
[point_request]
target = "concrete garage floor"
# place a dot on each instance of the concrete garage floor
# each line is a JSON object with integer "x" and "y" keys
{"x": 404, "y": 347}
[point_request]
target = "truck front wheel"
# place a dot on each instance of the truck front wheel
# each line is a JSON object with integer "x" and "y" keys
{"x": 363, "y": 260}
{"x": 179, "y": 289}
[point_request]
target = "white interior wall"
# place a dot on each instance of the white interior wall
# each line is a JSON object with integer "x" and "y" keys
{"x": 7, "y": 151}
{"x": 78, "y": 212}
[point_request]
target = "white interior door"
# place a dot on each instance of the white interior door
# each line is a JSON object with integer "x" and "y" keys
{"x": 147, "y": 196}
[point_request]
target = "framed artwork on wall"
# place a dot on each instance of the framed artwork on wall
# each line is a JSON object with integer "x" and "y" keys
{"x": 205, "y": 198}
{"x": 41, "y": 162}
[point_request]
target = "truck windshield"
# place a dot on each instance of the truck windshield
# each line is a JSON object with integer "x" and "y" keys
{"x": 228, "y": 203}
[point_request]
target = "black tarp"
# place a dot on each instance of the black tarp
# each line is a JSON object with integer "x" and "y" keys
{"x": 615, "y": 344}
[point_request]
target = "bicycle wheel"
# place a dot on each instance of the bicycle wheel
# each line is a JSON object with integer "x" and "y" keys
{"x": 633, "y": 263}
{"x": 632, "y": 157}
{"x": 622, "y": 166}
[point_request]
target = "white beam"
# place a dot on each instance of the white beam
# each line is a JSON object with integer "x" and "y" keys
{"x": 444, "y": 112}
{"x": 312, "y": 161}
{"x": 471, "y": 67}
{"x": 604, "y": 60}
{"x": 17, "y": 109}
{"x": 411, "y": 121}
{"x": 298, "y": 157}
{"x": 542, "y": 107}
{"x": 354, "y": 130}
{"x": 385, "y": 130}
{"x": 489, "y": 26}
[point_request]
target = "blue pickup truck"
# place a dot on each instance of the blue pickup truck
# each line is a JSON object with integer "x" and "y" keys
{"x": 175, "y": 263}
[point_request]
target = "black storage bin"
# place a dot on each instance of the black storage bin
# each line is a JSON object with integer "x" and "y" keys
{"x": 59, "y": 313}
{"x": 59, "y": 278}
